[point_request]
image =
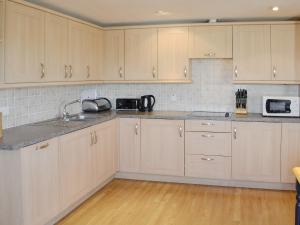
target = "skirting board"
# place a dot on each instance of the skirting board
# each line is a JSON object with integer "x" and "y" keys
{"x": 191, "y": 180}
{"x": 79, "y": 202}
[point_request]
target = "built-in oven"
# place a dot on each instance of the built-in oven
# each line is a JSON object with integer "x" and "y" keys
{"x": 281, "y": 106}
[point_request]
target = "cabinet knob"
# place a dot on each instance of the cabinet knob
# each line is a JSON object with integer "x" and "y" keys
{"x": 96, "y": 137}
{"x": 66, "y": 72}
{"x": 136, "y": 129}
{"x": 185, "y": 71}
{"x": 71, "y": 71}
{"x": 274, "y": 71}
{"x": 207, "y": 124}
{"x": 180, "y": 131}
{"x": 207, "y": 135}
{"x": 207, "y": 159}
{"x": 234, "y": 133}
{"x": 88, "y": 71}
{"x": 42, "y": 146}
{"x": 121, "y": 72}
{"x": 92, "y": 138}
{"x": 153, "y": 72}
{"x": 43, "y": 71}
{"x": 235, "y": 71}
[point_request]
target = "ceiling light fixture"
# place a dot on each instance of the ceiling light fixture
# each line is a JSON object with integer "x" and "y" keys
{"x": 162, "y": 13}
{"x": 275, "y": 8}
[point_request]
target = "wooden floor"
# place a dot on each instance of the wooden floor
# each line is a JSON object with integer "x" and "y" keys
{"x": 125, "y": 202}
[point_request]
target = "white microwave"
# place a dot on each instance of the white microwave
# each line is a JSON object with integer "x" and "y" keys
{"x": 281, "y": 106}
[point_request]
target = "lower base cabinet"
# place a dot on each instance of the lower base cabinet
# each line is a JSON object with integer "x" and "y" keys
{"x": 290, "y": 151}
{"x": 256, "y": 151}
{"x": 29, "y": 187}
{"x": 162, "y": 147}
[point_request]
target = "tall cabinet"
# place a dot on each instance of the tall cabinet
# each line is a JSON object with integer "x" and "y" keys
{"x": 24, "y": 46}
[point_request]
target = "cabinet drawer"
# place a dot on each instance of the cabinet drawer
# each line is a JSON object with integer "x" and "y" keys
{"x": 208, "y": 143}
{"x": 214, "y": 167}
{"x": 208, "y": 125}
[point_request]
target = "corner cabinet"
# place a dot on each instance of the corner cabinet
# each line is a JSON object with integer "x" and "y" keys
{"x": 210, "y": 42}
{"x": 162, "y": 147}
{"x": 173, "y": 61}
{"x": 141, "y": 54}
{"x": 24, "y": 44}
{"x": 256, "y": 151}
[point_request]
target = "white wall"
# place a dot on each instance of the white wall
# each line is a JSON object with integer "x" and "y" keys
{"x": 211, "y": 90}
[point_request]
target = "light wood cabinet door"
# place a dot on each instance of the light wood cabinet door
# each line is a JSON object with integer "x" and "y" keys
{"x": 95, "y": 50}
{"x": 162, "y": 147}
{"x": 104, "y": 151}
{"x": 256, "y": 151}
{"x": 173, "y": 62}
{"x": 252, "y": 53}
{"x": 24, "y": 47}
{"x": 285, "y": 50}
{"x": 141, "y": 54}
{"x": 75, "y": 166}
{"x": 113, "y": 55}
{"x": 210, "y": 42}
{"x": 78, "y": 51}
{"x": 290, "y": 151}
{"x": 130, "y": 145}
{"x": 56, "y": 48}
{"x": 40, "y": 187}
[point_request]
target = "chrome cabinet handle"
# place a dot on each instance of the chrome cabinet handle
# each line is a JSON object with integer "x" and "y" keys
{"x": 121, "y": 72}
{"x": 92, "y": 138}
{"x": 71, "y": 71}
{"x": 210, "y": 54}
{"x": 88, "y": 71}
{"x": 180, "y": 131}
{"x": 136, "y": 129}
{"x": 185, "y": 71}
{"x": 66, "y": 71}
{"x": 207, "y": 135}
{"x": 207, "y": 159}
{"x": 42, "y": 146}
{"x": 274, "y": 71}
{"x": 235, "y": 71}
{"x": 153, "y": 72}
{"x": 234, "y": 133}
{"x": 96, "y": 137}
{"x": 207, "y": 124}
{"x": 43, "y": 71}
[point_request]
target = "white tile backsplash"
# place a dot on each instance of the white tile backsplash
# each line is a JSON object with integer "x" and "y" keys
{"x": 211, "y": 90}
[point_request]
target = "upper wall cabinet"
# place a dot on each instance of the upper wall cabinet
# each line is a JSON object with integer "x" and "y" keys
{"x": 173, "y": 62}
{"x": 113, "y": 55}
{"x": 56, "y": 48}
{"x": 141, "y": 54}
{"x": 285, "y": 52}
{"x": 251, "y": 52}
{"x": 210, "y": 42}
{"x": 24, "y": 47}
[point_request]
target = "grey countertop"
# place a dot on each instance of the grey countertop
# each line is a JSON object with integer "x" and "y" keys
{"x": 22, "y": 136}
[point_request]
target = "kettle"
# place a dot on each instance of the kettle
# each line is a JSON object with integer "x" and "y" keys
{"x": 147, "y": 102}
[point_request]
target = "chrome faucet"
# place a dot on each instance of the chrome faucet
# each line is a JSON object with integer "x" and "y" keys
{"x": 65, "y": 113}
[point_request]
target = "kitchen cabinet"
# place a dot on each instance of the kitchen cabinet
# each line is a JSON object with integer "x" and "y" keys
{"x": 210, "y": 42}
{"x": 208, "y": 149}
{"x": 173, "y": 62}
{"x": 141, "y": 54}
{"x": 24, "y": 46}
{"x": 78, "y": 51}
{"x": 256, "y": 151}
{"x": 252, "y": 53}
{"x": 29, "y": 188}
{"x": 56, "y": 48}
{"x": 2, "y": 22}
{"x": 94, "y": 53}
{"x": 113, "y": 55}
{"x": 104, "y": 150}
{"x": 285, "y": 52}
{"x": 75, "y": 166}
{"x": 162, "y": 147}
{"x": 290, "y": 151}
{"x": 130, "y": 144}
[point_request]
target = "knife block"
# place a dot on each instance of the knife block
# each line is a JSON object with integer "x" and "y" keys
{"x": 241, "y": 111}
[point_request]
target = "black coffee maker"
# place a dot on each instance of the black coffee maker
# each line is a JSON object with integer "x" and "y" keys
{"x": 147, "y": 102}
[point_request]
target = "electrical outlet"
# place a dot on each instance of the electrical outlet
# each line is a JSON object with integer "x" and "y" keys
{"x": 173, "y": 98}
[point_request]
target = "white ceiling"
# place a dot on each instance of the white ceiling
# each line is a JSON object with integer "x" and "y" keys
{"x": 108, "y": 12}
